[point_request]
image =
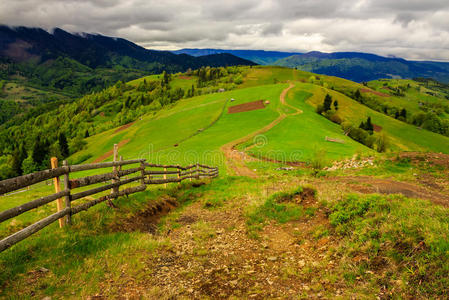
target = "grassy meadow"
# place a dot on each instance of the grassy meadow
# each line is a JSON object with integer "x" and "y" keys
{"x": 301, "y": 232}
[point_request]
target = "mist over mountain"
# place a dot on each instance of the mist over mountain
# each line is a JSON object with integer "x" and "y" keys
{"x": 357, "y": 66}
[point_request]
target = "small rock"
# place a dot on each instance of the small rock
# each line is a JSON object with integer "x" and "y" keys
{"x": 234, "y": 282}
{"x": 272, "y": 258}
{"x": 43, "y": 270}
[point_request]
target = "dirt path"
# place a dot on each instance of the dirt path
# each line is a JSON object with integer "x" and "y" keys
{"x": 236, "y": 159}
{"x": 212, "y": 256}
{"x": 110, "y": 152}
{"x": 369, "y": 185}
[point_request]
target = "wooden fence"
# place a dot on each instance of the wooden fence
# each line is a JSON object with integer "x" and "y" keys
{"x": 144, "y": 174}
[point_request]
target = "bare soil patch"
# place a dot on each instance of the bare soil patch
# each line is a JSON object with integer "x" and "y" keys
{"x": 435, "y": 159}
{"x": 259, "y": 104}
{"x": 369, "y": 185}
{"x": 212, "y": 257}
{"x": 374, "y": 92}
{"x": 377, "y": 128}
{"x": 121, "y": 128}
{"x": 109, "y": 153}
{"x": 146, "y": 220}
{"x": 185, "y": 77}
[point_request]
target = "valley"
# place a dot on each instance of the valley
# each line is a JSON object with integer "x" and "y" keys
{"x": 301, "y": 208}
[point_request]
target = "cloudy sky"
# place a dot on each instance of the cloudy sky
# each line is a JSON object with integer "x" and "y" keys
{"x": 414, "y": 29}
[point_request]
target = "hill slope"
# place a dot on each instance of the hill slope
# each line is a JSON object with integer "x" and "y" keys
{"x": 354, "y": 66}
{"x": 365, "y": 67}
{"x": 75, "y": 64}
{"x": 258, "y": 56}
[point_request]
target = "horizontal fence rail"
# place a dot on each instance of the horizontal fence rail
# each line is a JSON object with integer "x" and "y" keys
{"x": 145, "y": 174}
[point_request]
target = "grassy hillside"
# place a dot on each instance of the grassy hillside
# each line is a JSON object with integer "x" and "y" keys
{"x": 361, "y": 67}
{"x": 335, "y": 225}
{"x": 302, "y": 134}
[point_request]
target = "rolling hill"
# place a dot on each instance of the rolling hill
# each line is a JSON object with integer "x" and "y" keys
{"x": 75, "y": 64}
{"x": 297, "y": 197}
{"x": 365, "y": 67}
{"x": 354, "y": 66}
{"x": 261, "y": 57}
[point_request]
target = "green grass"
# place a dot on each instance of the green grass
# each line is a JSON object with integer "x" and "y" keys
{"x": 403, "y": 137}
{"x": 154, "y": 137}
{"x": 299, "y": 137}
{"x": 276, "y": 207}
{"x": 405, "y": 239}
{"x": 72, "y": 255}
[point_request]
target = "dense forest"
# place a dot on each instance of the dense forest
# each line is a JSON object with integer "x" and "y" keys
{"x": 27, "y": 146}
{"x": 61, "y": 66}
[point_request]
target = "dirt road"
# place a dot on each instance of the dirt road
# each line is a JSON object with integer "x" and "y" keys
{"x": 236, "y": 159}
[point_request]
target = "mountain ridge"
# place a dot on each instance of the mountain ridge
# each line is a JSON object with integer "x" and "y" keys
{"x": 357, "y": 66}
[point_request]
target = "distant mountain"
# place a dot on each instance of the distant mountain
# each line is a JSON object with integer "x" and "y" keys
{"x": 92, "y": 50}
{"x": 364, "y": 66}
{"x": 261, "y": 57}
{"x": 76, "y": 64}
{"x": 354, "y": 66}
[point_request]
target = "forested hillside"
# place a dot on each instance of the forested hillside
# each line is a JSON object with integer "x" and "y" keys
{"x": 65, "y": 66}
{"x": 28, "y": 145}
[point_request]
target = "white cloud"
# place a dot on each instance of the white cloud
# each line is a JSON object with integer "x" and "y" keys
{"x": 414, "y": 29}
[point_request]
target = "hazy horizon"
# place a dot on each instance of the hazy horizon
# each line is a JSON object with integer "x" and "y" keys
{"x": 414, "y": 30}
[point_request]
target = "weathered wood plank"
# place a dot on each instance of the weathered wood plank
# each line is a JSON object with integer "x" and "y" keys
{"x": 103, "y": 188}
{"x": 16, "y": 183}
{"x": 160, "y": 172}
{"x": 18, "y": 210}
{"x": 77, "y": 168}
{"x": 89, "y": 180}
{"x": 27, "y": 231}
{"x": 124, "y": 192}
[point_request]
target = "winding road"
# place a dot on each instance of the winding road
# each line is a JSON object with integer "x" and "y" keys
{"x": 236, "y": 159}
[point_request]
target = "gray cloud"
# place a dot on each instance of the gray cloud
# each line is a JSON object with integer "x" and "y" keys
{"x": 414, "y": 29}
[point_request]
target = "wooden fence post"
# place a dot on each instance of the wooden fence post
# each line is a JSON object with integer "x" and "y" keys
{"x": 197, "y": 171}
{"x": 115, "y": 190}
{"x": 54, "y": 165}
{"x": 142, "y": 172}
{"x": 165, "y": 176}
{"x": 179, "y": 176}
{"x": 68, "y": 203}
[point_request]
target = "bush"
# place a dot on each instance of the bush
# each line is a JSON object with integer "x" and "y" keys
{"x": 319, "y": 160}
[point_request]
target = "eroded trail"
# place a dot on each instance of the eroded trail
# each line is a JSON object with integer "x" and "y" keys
{"x": 236, "y": 159}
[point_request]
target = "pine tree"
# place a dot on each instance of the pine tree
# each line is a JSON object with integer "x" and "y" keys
{"x": 86, "y": 135}
{"x": 327, "y": 103}
{"x": 357, "y": 95}
{"x": 403, "y": 113}
{"x": 369, "y": 126}
{"x": 336, "y": 105}
{"x": 63, "y": 145}
{"x": 18, "y": 156}
{"x": 40, "y": 151}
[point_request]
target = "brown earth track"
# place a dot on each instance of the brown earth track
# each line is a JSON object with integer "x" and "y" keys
{"x": 249, "y": 106}
{"x": 374, "y": 92}
{"x": 236, "y": 159}
{"x": 377, "y": 128}
{"x": 109, "y": 153}
{"x": 126, "y": 126}
{"x": 369, "y": 185}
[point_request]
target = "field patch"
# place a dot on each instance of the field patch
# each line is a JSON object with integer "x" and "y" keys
{"x": 110, "y": 152}
{"x": 374, "y": 93}
{"x": 246, "y": 107}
